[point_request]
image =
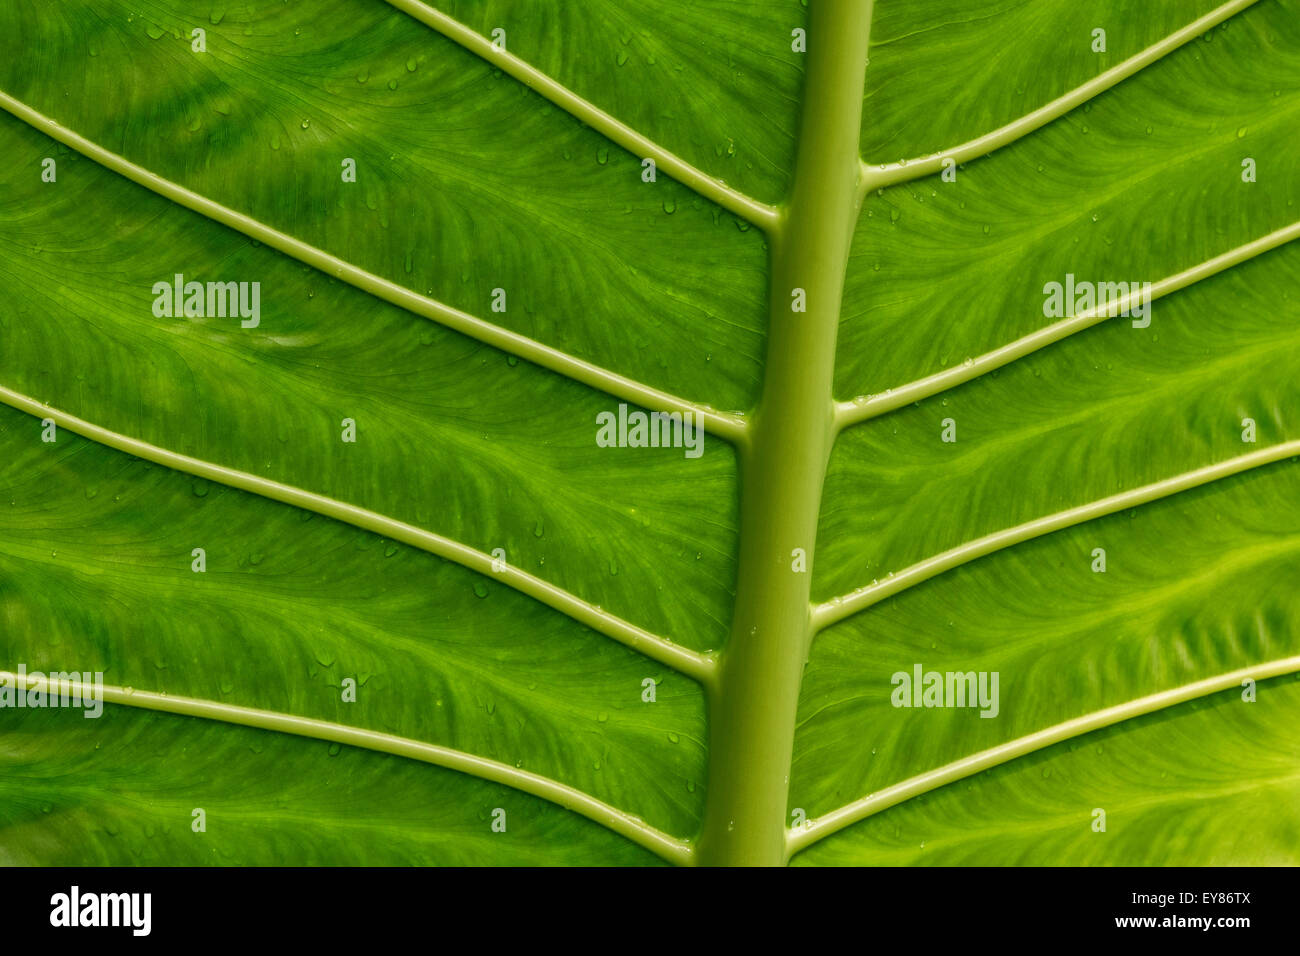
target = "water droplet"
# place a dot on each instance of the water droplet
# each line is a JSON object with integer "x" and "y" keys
{"x": 602, "y": 156}
{"x": 392, "y": 84}
{"x": 670, "y": 206}
{"x": 673, "y": 738}
{"x": 539, "y": 529}
{"x": 306, "y": 123}
{"x": 335, "y": 749}
{"x": 155, "y": 33}
{"x": 621, "y": 59}
{"x": 410, "y": 65}
{"x": 1241, "y": 133}
{"x": 602, "y": 717}
{"x": 480, "y": 589}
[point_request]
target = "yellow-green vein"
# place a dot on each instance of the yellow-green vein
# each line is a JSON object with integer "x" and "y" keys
{"x": 866, "y": 407}
{"x": 890, "y": 174}
{"x": 839, "y": 608}
{"x": 728, "y": 426}
{"x": 624, "y": 824}
{"x": 715, "y": 190}
{"x": 688, "y": 662}
{"x": 823, "y": 826}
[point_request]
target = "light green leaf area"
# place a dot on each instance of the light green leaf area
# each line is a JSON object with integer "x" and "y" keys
{"x": 1213, "y": 782}
{"x": 442, "y": 423}
{"x": 454, "y": 160}
{"x": 943, "y": 272}
{"x": 716, "y": 82}
{"x": 1194, "y": 586}
{"x": 971, "y": 66}
{"x": 98, "y": 576}
{"x": 120, "y": 791}
{"x": 1108, "y": 409}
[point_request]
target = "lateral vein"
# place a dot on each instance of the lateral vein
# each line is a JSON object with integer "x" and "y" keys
{"x": 619, "y": 821}
{"x": 688, "y": 662}
{"x": 759, "y": 213}
{"x": 824, "y": 826}
{"x": 880, "y": 176}
{"x": 725, "y": 425}
{"x": 866, "y": 407}
{"x": 837, "y": 609}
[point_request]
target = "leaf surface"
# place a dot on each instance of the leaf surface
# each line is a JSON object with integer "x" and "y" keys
{"x": 673, "y": 657}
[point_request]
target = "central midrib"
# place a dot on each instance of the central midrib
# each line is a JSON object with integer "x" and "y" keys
{"x": 753, "y": 704}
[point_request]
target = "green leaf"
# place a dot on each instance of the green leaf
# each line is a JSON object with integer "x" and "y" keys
{"x": 478, "y": 635}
